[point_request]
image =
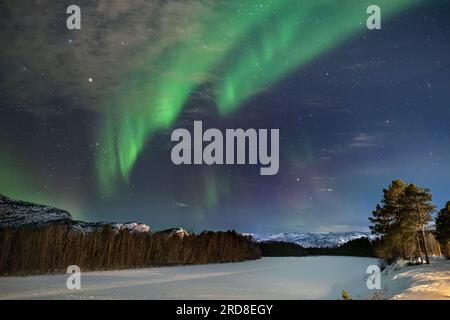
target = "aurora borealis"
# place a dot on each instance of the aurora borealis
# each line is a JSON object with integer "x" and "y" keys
{"x": 235, "y": 50}
{"x": 86, "y": 115}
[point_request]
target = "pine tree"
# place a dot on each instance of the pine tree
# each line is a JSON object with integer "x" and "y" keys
{"x": 401, "y": 219}
{"x": 415, "y": 214}
{"x": 443, "y": 228}
{"x": 384, "y": 217}
{"x": 385, "y": 220}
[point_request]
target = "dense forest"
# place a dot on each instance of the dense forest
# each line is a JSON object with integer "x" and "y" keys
{"x": 52, "y": 249}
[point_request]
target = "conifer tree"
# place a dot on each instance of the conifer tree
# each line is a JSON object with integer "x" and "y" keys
{"x": 443, "y": 228}
{"x": 385, "y": 220}
{"x": 415, "y": 214}
{"x": 385, "y": 216}
{"x": 401, "y": 219}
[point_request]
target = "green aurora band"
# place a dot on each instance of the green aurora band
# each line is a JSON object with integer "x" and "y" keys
{"x": 238, "y": 50}
{"x": 18, "y": 181}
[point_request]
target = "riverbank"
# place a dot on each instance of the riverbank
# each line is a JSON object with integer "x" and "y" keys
{"x": 423, "y": 282}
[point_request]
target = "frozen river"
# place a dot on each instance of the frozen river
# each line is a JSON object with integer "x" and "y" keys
{"x": 268, "y": 278}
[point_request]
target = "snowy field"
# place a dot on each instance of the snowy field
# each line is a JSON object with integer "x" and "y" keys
{"x": 268, "y": 278}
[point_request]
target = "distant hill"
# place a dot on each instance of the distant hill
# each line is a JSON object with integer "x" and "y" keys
{"x": 360, "y": 247}
{"x": 313, "y": 239}
{"x": 180, "y": 232}
{"x": 18, "y": 213}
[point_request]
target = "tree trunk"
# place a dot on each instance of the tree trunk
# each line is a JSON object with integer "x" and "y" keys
{"x": 404, "y": 251}
{"x": 439, "y": 251}
{"x": 425, "y": 246}
{"x": 419, "y": 249}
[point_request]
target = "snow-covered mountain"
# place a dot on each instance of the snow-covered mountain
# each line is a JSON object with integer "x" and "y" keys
{"x": 18, "y": 213}
{"x": 93, "y": 226}
{"x": 15, "y": 213}
{"x": 313, "y": 239}
{"x": 180, "y": 232}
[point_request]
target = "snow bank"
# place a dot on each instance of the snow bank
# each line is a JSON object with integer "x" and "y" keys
{"x": 428, "y": 282}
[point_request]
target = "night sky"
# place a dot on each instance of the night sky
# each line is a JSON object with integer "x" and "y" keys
{"x": 86, "y": 115}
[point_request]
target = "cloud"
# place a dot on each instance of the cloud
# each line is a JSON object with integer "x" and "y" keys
{"x": 364, "y": 140}
{"x": 46, "y": 67}
{"x": 360, "y": 141}
{"x": 180, "y": 204}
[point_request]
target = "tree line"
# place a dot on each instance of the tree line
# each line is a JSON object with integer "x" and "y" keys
{"x": 404, "y": 223}
{"x": 52, "y": 249}
{"x": 361, "y": 247}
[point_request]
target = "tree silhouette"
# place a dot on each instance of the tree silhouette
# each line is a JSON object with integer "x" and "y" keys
{"x": 386, "y": 219}
{"x": 415, "y": 215}
{"x": 401, "y": 220}
{"x": 443, "y": 228}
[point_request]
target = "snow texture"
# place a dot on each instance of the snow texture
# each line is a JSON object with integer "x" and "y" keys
{"x": 267, "y": 278}
{"x": 14, "y": 213}
{"x": 419, "y": 282}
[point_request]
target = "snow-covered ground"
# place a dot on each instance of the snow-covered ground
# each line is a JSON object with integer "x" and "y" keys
{"x": 268, "y": 278}
{"x": 430, "y": 282}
